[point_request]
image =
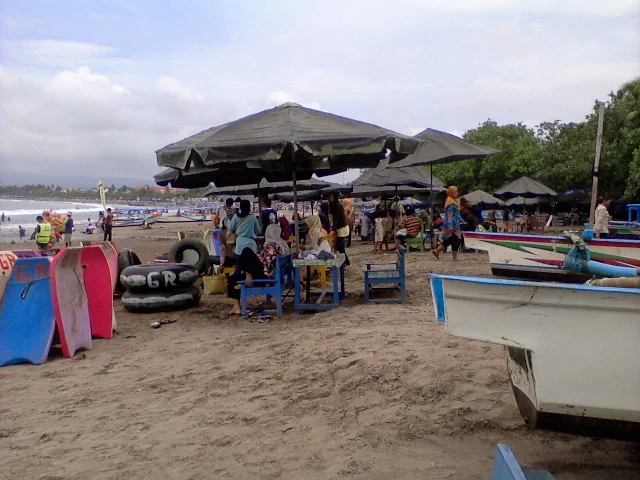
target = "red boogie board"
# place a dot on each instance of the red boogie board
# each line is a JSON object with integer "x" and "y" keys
{"x": 70, "y": 301}
{"x": 99, "y": 288}
{"x": 111, "y": 253}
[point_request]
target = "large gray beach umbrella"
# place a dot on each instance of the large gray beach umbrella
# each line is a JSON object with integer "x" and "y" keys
{"x": 265, "y": 187}
{"x": 524, "y": 187}
{"x": 482, "y": 199}
{"x": 440, "y": 147}
{"x": 385, "y": 180}
{"x": 290, "y": 138}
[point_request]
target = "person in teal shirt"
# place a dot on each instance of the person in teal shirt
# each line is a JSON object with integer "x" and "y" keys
{"x": 246, "y": 228}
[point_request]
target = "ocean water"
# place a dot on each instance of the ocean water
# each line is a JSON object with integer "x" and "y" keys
{"x": 24, "y": 212}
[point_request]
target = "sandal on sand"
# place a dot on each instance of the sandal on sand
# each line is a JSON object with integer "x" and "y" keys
{"x": 436, "y": 254}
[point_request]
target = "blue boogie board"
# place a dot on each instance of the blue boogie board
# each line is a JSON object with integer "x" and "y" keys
{"x": 27, "y": 320}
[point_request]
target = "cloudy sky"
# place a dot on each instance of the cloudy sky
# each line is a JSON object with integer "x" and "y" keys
{"x": 90, "y": 89}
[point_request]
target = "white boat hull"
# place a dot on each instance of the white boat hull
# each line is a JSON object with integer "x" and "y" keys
{"x": 572, "y": 349}
{"x": 542, "y": 257}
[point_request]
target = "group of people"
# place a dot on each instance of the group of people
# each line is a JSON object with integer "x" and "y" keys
{"x": 42, "y": 234}
{"x": 241, "y": 231}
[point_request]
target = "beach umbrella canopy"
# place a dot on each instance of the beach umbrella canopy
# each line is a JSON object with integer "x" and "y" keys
{"x": 385, "y": 180}
{"x": 314, "y": 194}
{"x": 524, "y": 187}
{"x": 482, "y": 199}
{"x": 440, "y": 147}
{"x": 289, "y": 138}
{"x": 266, "y": 187}
{"x": 521, "y": 201}
{"x": 200, "y": 177}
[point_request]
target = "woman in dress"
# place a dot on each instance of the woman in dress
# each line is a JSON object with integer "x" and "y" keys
{"x": 451, "y": 232}
{"x": 256, "y": 266}
{"x": 601, "y": 224}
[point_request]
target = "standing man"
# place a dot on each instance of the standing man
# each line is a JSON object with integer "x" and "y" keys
{"x": 43, "y": 234}
{"x": 108, "y": 226}
{"x": 68, "y": 230}
{"x": 268, "y": 215}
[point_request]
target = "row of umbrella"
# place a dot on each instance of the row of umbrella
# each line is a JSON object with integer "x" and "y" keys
{"x": 291, "y": 142}
{"x": 520, "y": 192}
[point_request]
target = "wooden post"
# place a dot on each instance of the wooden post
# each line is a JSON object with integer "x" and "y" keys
{"x": 596, "y": 165}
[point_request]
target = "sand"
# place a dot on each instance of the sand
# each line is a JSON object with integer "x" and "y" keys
{"x": 363, "y": 392}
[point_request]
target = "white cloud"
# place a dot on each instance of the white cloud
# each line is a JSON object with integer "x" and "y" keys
{"x": 83, "y": 124}
{"x": 571, "y": 7}
{"x": 59, "y": 48}
{"x": 279, "y": 97}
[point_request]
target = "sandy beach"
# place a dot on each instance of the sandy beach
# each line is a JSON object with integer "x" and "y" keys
{"x": 362, "y": 392}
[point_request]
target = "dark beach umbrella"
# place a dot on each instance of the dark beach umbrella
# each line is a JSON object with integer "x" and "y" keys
{"x": 264, "y": 187}
{"x": 291, "y": 139}
{"x": 482, "y": 199}
{"x": 315, "y": 194}
{"x": 440, "y": 147}
{"x": 385, "y": 180}
{"x": 524, "y": 187}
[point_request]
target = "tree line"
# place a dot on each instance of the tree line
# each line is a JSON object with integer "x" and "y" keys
{"x": 146, "y": 193}
{"x": 560, "y": 155}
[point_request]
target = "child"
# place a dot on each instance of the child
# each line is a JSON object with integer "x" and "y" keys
{"x": 380, "y": 232}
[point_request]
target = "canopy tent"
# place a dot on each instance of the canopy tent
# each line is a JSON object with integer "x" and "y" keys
{"x": 441, "y": 147}
{"x": 287, "y": 139}
{"x": 524, "y": 187}
{"x": 522, "y": 201}
{"x": 482, "y": 199}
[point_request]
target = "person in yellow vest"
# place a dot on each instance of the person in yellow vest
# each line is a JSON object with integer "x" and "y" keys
{"x": 43, "y": 233}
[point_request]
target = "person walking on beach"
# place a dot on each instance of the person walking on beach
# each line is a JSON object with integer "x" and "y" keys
{"x": 451, "y": 232}
{"x": 43, "y": 234}
{"x": 108, "y": 226}
{"x": 68, "y": 230}
{"x": 601, "y": 224}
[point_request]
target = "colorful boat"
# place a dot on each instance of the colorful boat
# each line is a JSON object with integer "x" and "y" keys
{"x": 541, "y": 257}
{"x": 572, "y": 350}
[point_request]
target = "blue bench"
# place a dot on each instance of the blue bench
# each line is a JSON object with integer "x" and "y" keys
{"x": 392, "y": 275}
{"x": 506, "y": 467}
{"x": 277, "y": 287}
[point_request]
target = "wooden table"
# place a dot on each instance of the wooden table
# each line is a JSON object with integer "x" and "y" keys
{"x": 310, "y": 302}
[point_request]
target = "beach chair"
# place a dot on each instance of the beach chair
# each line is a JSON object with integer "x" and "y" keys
{"x": 278, "y": 287}
{"x": 419, "y": 241}
{"x": 386, "y": 276}
{"x": 506, "y": 467}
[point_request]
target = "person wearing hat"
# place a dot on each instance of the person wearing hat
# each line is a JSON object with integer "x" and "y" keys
{"x": 68, "y": 230}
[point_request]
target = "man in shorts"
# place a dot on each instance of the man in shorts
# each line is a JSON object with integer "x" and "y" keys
{"x": 68, "y": 230}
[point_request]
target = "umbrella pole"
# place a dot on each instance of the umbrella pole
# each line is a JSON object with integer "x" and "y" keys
{"x": 260, "y": 208}
{"x": 431, "y": 204}
{"x": 295, "y": 209}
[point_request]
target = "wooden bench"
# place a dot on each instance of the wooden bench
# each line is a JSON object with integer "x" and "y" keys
{"x": 392, "y": 275}
{"x": 277, "y": 287}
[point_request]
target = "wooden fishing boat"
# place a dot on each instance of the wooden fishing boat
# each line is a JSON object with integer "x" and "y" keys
{"x": 572, "y": 350}
{"x": 541, "y": 257}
